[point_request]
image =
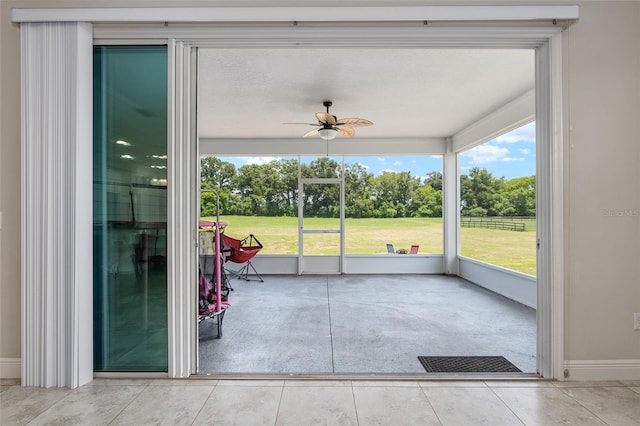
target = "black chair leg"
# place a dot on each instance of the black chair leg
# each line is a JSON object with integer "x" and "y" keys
{"x": 255, "y": 272}
{"x": 244, "y": 273}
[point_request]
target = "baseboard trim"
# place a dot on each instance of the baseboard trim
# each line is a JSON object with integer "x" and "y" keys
{"x": 617, "y": 369}
{"x": 10, "y": 368}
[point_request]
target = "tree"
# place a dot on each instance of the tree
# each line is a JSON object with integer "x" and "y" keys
{"x": 272, "y": 190}
{"x": 216, "y": 176}
{"x": 480, "y": 190}
{"x": 288, "y": 169}
{"x": 518, "y": 197}
{"x": 394, "y": 191}
{"x": 321, "y": 200}
{"x": 358, "y": 191}
{"x": 434, "y": 180}
{"x": 262, "y": 187}
{"x": 215, "y": 173}
{"x": 427, "y": 202}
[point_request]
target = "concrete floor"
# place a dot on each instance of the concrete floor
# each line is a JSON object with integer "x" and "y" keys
{"x": 363, "y": 324}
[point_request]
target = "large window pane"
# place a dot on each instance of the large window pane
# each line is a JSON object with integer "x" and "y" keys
{"x": 498, "y": 201}
{"x": 257, "y": 195}
{"x": 393, "y": 199}
{"x": 130, "y": 208}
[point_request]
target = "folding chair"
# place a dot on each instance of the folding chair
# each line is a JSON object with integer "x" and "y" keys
{"x": 241, "y": 252}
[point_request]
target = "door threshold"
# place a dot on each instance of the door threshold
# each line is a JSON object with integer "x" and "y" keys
{"x": 395, "y": 377}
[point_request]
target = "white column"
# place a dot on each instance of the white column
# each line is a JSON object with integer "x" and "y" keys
{"x": 57, "y": 251}
{"x": 451, "y": 210}
{"x": 550, "y": 207}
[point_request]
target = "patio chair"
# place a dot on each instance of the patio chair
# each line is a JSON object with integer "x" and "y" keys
{"x": 241, "y": 252}
{"x": 414, "y": 249}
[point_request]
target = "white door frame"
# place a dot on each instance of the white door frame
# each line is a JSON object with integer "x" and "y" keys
{"x": 379, "y": 32}
{"x": 547, "y": 41}
{"x": 307, "y": 265}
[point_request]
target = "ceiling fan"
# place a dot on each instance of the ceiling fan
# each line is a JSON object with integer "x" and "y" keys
{"x": 329, "y": 126}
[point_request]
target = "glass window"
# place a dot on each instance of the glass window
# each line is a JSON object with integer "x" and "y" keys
{"x": 393, "y": 200}
{"x": 498, "y": 201}
{"x": 130, "y": 208}
{"x": 258, "y": 195}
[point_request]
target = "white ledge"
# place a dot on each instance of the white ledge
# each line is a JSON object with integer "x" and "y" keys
{"x": 301, "y": 14}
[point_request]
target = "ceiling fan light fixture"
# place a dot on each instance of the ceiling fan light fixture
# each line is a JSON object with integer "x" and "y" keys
{"x": 328, "y": 125}
{"x": 328, "y": 134}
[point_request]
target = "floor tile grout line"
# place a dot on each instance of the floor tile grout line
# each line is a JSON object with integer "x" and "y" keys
{"x": 129, "y": 404}
{"x": 435, "y": 413}
{"x": 333, "y": 366}
{"x": 564, "y": 391}
{"x": 50, "y": 407}
{"x": 275, "y": 422}
{"x": 506, "y": 405}
{"x": 355, "y": 406}
{"x": 204, "y": 403}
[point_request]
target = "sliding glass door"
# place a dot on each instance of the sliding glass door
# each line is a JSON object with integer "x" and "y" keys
{"x": 130, "y": 208}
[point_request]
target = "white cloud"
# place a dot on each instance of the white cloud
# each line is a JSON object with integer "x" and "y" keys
{"x": 397, "y": 163}
{"x": 387, "y": 170}
{"x": 525, "y": 151}
{"x": 260, "y": 160}
{"x": 364, "y": 166}
{"x": 381, "y": 159}
{"x": 507, "y": 159}
{"x": 526, "y": 133}
{"x": 483, "y": 154}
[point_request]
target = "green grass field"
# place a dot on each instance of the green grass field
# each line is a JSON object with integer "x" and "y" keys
{"x": 279, "y": 235}
{"x": 513, "y": 250}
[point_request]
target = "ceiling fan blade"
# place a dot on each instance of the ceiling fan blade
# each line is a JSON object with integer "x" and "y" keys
{"x": 355, "y": 122}
{"x": 306, "y": 124}
{"x": 346, "y": 131}
{"x": 311, "y": 133}
{"x": 325, "y": 117}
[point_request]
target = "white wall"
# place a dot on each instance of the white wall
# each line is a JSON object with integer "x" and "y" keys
{"x": 602, "y": 192}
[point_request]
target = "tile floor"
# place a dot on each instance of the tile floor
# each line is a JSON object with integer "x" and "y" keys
{"x": 322, "y": 402}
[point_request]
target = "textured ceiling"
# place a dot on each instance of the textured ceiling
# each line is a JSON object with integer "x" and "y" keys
{"x": 250, "y": 93}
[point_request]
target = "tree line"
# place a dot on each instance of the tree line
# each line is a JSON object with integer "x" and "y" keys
{"x": 272, "y": 190}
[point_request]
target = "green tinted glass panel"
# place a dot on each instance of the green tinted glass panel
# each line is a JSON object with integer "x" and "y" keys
{"x": 130, "y": 208}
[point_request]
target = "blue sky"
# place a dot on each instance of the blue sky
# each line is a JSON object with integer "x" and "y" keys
{"x": 510, "y": 155}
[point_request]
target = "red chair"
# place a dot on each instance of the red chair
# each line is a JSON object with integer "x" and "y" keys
{"x": 241, "y": 252}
